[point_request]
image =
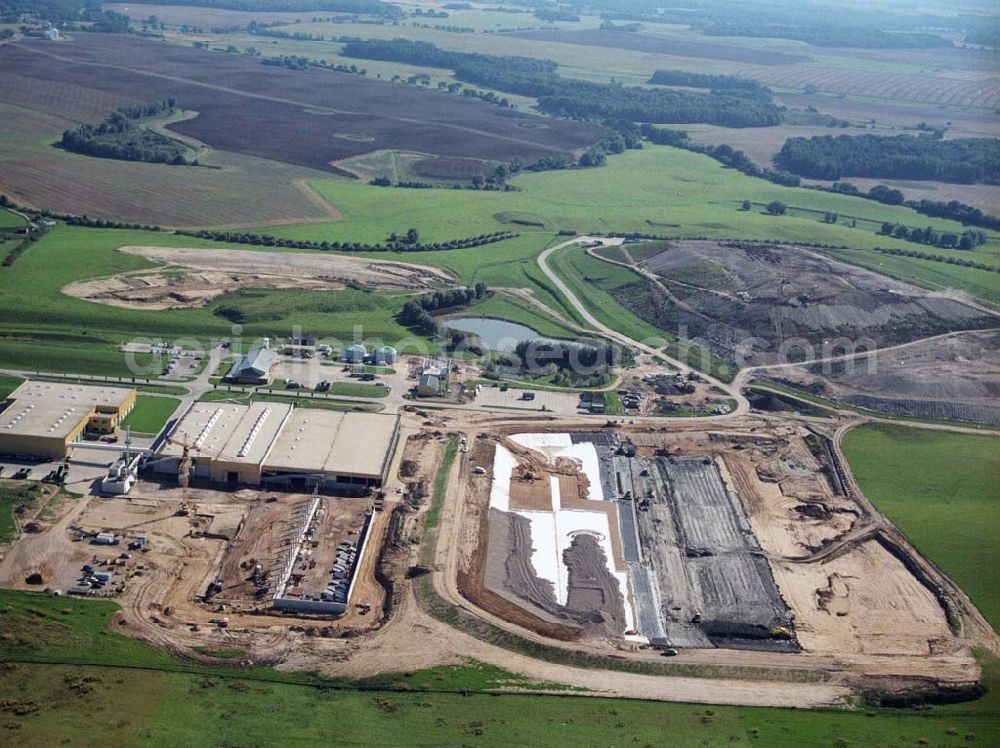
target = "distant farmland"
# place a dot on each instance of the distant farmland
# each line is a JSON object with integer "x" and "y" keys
{"x": 303, "y": 117}
{"x": 664, "y": 45}
{"x": 942, "y": 77}
{"x": 39, "y": 175}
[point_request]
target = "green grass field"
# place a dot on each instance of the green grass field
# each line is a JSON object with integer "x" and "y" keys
{"x": 656, "y": 190}
{"x": 356, "y": 389}
{"x": 150, "y": 414}
{"x": 42, "y": 328}
{"x": 940, "y": 489}
{"x": 41, "y": 352}
{"x": 9, "y": 220}
{"x": 62, "y": 684}
{"x": 593, "y": 282}
{"x": 304, "y": 400}
{"x": 440, "y": 484}
{"x": 8, "y": 385}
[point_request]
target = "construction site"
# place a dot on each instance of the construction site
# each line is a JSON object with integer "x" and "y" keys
{"x": 741, "y": 550}
{"x": 747, "y": 538}
{"x": 585, "y": 530}
{"x": 207, "y": 555}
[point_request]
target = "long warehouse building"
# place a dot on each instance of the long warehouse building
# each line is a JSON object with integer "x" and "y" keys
{"x": 276, "y": 444}
{"x": 43, "y": 419}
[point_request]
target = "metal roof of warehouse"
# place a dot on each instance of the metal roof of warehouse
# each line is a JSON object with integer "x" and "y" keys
{"x": 361, "y": 444}
{"x": 251, "y": 439}
{"x": 287, "y": 439}
{"x": 254, "y": 363}
{"x": 55, "y": 409}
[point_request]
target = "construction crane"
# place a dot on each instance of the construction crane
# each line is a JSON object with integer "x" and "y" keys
{"x": 188, "y": 507}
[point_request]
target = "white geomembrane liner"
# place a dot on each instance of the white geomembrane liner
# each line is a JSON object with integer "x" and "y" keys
{"x": 545, "y": 556}
{"x": 561, "y": 445}
{"x": 552, "y": 532}
{"x": 503, "y": 468}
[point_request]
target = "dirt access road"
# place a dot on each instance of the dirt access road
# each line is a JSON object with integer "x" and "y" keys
{"x": 742, "y": 404}
{"x": 844, "y": 670}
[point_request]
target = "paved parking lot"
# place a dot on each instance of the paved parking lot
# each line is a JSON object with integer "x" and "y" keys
{"x": 560, "y": 403}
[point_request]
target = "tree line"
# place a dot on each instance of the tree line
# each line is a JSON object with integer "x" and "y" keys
{"x": 570, "y": 364}
{"x": 963, "y": 160}
{"x": 704, "y": 80}
{"x": 968, "y": 239}
{"x": 400, "y": 244}
{"x": 830, "y": 35}
{"x": 66, "y": 15}
{"x": 34, "y": 234}
{"x": 574, "y": 98}
{"x": 554, "y": 14}
{"x": 953, "y": 209}
{"x": 723, "y": 153}
{"x": 355, "y": 7}
{"x": 118, "y": 136}
{"x": 960, "y": 261}
{"x": 416, "y": 313}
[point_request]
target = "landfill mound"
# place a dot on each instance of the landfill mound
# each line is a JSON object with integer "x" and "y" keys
{"x": 726, "y": 293}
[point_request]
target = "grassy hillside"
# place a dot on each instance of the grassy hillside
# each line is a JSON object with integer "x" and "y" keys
{"x": 656, "y": 190}
{"x": 43, "y": 329}
{"x": 941, "y": 490}
{"x": 52, "y": 696}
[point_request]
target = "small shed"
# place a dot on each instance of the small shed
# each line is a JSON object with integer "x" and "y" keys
{"x": 428, "y": 386}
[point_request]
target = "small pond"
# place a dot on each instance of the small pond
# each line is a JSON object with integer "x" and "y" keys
{"x": 497, "y": 334}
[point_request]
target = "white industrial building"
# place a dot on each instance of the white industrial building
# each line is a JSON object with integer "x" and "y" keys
{"x": 276, "y": 444}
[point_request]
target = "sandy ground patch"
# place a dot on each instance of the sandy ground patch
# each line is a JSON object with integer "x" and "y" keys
{"x": 193, "y": 277}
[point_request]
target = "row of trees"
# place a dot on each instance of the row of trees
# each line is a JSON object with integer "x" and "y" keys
{"x": 961, "y": 261}
{"x": 956, "y": 211}
{"x": 963, "y": 160}
{"x": 830, "y": 35}
{"x": 724, "y": 154}
{"x": 78, "y": 15}
{"x": 953, "y": 209}
{"x": 34, "y": 234}
{"x": 417, "y": 313}
{"x": 968, "y": 239}
{"x": 579, "y": 99}
{"x": 400, "y": 245}
{"x": 704, "y": 80}
{"x": 553, "y": 14}
{"x": 357, "y": 7}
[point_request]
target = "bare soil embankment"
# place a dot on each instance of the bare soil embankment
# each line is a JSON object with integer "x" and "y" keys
{"x": 730, "y": 292}
{"x": 952, "y": 378}
{"x": 193, "y": 277}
